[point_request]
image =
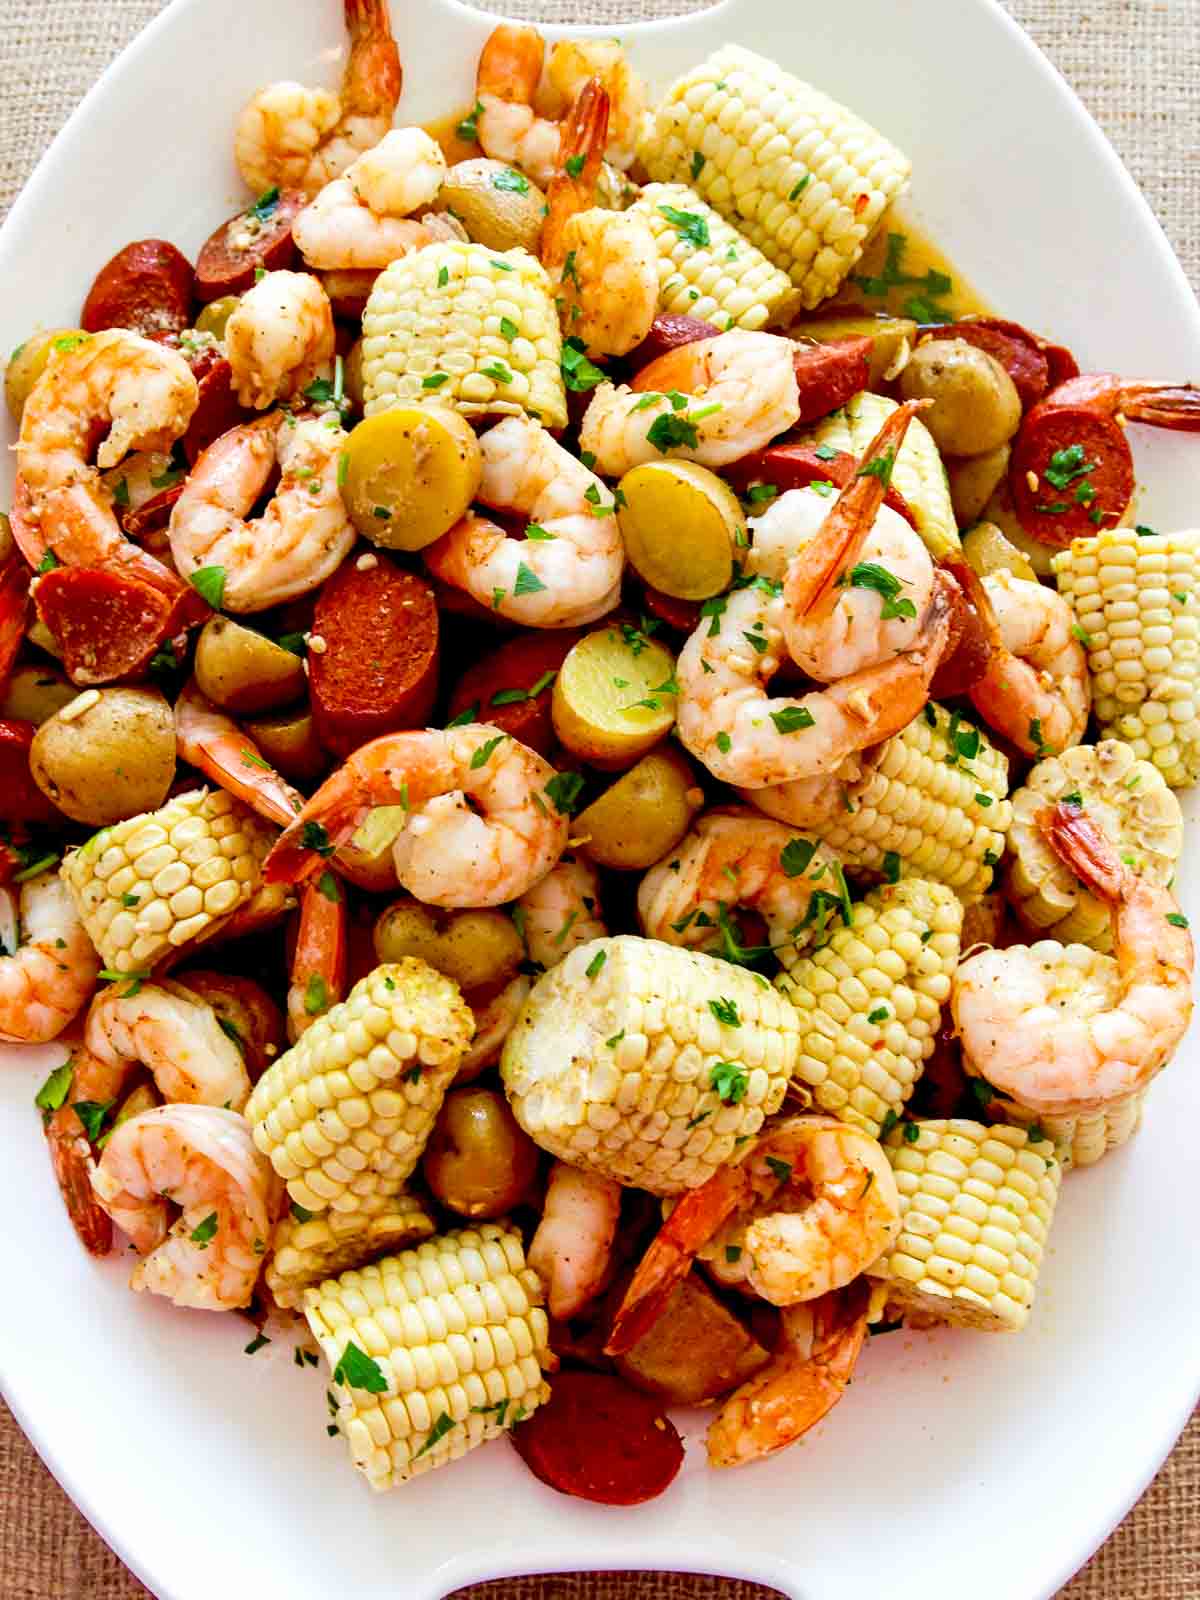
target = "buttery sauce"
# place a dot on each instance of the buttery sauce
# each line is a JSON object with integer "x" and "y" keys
{"x": 912, "y": 278}
{"x": 454, "y": 147}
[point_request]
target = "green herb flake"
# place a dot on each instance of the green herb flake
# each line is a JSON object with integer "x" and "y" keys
{"x": 53, "y": 1093}
{"x": 724, "y": 743}
{"x": 1177, "y": 919}
{"x": 911, "y": 1133}
{"x": 796, "y": 857}
{"x": 357, "y": 1370}
{"x": 527, "y": 581}
{"x": 891, "y": 866}
{"x": 209, "y": 583}
{"x": 435, "y": 380}
{"x": 468, "y": 128}
{"x": 314, "y": 837}
{"x": 468, "y": 715}
{"x": 484, "y": 754}
{"x": 204, "y": 1232}
{"x": 578, "y": 372}
{"x": 611, "y": 1044}
{"x": 596, "y": 964}
{"x": 691, "y": 227}
{"x": 512, "y": 182}
{"x": 798, "y": 189}
{"x": 563, "y": 792}
{"x": 781, "y": 1169}
{"x": 316, "y": 997}
{"x": 256, "y": 1345}
{"x": 726, "y": 1011}
{"x": 793, "y": 719}
{"x": 729, "y": 1081}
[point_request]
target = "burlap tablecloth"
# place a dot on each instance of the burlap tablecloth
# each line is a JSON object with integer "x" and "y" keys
{"x": 1137, "y": 66}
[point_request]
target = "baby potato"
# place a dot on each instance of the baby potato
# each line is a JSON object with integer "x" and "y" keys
{"x": 107, "y": 755}
{"x": 1000, "y": 510}
{"x": 681, "y": 525}
{"x": 244, "y": 671}
{"x": 213, "y": 317}
{"x": 478, "y": 1161}
{"x": 614, "y": 696}
{"x": 975, "y": 403}
{"x": 498, "y": 207}
{"x": 893, "y": 339}
{"x": 39, "y": 634}
{"x": 472, "y": 947}
{"x": 410, "y": 475}
{"x": 973, "y": 481}
{"x": 289, "y": 742}
{"x": 987, "y": 550}
{"x": 36, "y": 693}
{"x": 28, "y": 362}
{"x": 644, "y": 814}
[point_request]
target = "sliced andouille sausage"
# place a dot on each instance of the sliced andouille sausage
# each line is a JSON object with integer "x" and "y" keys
{"x": 147, "y": 287}
{"x": 668, "y": 333}
{"x": 682, "y": 615}
{"x": 512, "y": 686}
{"x": 14, "y": 613}
{"x": 1063, "y": 365}
{"x": 153, "y": 514}
{"x": 108, "y": 626}
{"x": 373, "y": 653}
{"x": 1071, "y": 471}
{"x": 795, "y": 466}
{"x": 23, "y": 801}
{"x": 599, "y": 1439}
{"x": 968, "y": 649}
{"x": 1018, "y": 351}
{"x": 258, "y": 237}
{"x": 830, "y": 374}
{"x": 217, "y": 409}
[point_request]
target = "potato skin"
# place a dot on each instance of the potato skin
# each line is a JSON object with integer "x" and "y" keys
{"x": 35, "y": 692}
{"x": 113, "y": 760}
{"x": 472, "y": 947}
{"x": 644, "y": 814}
{"x": 478, "y": 1161}
{"x": 500, "y": 218}
{"x": 288, "y": 740}
{"x": 976, "y": 406}
{"x": 244, "y": 671}
{"x": 28, "y": 362}
{"x": 973, "y": 481}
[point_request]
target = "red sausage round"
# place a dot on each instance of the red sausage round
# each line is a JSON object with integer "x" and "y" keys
{"x": 217, "y": 409}
{"x": 1071, "y": 473}
{"x": 830, "y": 374}
{"x": 146, "y": 287}
{"x": 528, "y": 662}
{"x": 258, "y": 237}
{"x": 108, "y": 626}
{"x": 377, "y": 670}
{"x": 599, "y": 1439}
{"x": 668, "y": 333}
{"x": 23, "y": 800}
{"x": 795, "y": 466}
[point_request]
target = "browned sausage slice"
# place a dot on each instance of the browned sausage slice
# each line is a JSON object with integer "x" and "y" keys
{"x": 795, "y": 466}
{"x": 260, "y": 237}
{"x": 1071, "y": 472}
{"x": 146, "y": 287}
{"x": 830, "y": 374}
{"x": 107, "y": 626}
{"x": 373, "y": 654}
{"x": 512, "y": 686}
{"x": 668, "y": 333}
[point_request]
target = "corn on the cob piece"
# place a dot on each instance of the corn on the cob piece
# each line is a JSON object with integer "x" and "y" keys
{"x": 706, "y": 268}
{"x": 870, "y": 1000}
{"x": 433, "y": 1351}
{"x": 434, "y": 330}
{"x": 626, "y": 1060}
{"x": 1081, "y": 1141}
{"x": 806, "y": 180}
{"x": 1127, "y": 798}
{"x": 153, "y": 883}
{"x": 976, "y": 1205}
{"x": 346, "y": 1112}
{"x": 918, "y": 472}
{"x": 306, "y": 1249}
{"x": 1136, "y": 600}
{"x": 920, "y": 803}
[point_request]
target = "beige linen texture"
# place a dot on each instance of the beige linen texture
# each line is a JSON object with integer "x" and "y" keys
{"x": 1137, "y": 66}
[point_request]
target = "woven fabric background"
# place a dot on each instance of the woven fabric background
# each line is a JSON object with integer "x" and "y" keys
{"x": 1137, "y": 66}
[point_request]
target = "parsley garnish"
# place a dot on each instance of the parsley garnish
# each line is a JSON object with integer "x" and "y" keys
{"x": 796, "y": 857}
{"x": 729, "y": 1082}
{"x": 468, "y": 128}
{"x": 725, "y": 1011}
{"x": 869, "y": 575}
{"x": 209, "y": 583}
{"x": 204, "y": 1232}
{"x": 793, "y": 718}
{"x": 578, "y": 372}
{"x": 691, "y": 227}
{"x": 594, "y": 966}
{"x": 781, "y": 1169}
{"x": 483, "y": 754}
{"x": 54, "y": 1091}
{"x": 513, "y": 182}
{"x": 359, "y": 1371}
{"x": 264, "y": 207}
{"x": 314, "y": 837}
{"x": 316, "y": 997}
{"x": 563, "y": 791}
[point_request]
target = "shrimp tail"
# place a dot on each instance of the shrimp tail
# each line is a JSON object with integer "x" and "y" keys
{"x": 817, "y": 570}
{"x": 1083, "y": 847}
{"x": 582, "y": 143}
{"x": 980, "y": 601}
{"x": 374, "y": 75}
{"x": 71, "y": 1158}
{"x": 1162, "y": 405}
{"x": 668, "y": 1261}
{"x": 510, "y": 63}
{"x": 318, "y": 973}
{"x": 325, "y": 821}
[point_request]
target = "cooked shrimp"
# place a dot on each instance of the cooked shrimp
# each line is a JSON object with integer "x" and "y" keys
{"x": 733, "y": 859}
{"x": 202, "y": 1160}
{"x": 572, "y": 1247}
{"x": 297, "y": 138}
{"x": 818, "y": 1204}
{"x": 279, "y": 338}
{"x": 481, "y": 828}
{"x": 302, "y": 537}
{"x": 808, "y": 803}
{"x": 573, "y": 61}
{"x": 1036, "y": 690}
{"x": 211, "y": 741}
{"x": 93, "y": 1083}
{"x": 1059, "y": 1044}
{"x": 725, "y": 717}
{"x": 495, "y": 1019}
{"x": 142, "y": 395}
{"x": 561, "y": 911}
{"x": 604, "y": 264}
{"x": 742, "y": 392}
{"x": 364, "y": 219}
{"x": 571, "y": 571}
{"x": 173, "y": 1033}
{"x": 818, "y": 1347}
{"x": 317, "y": 979}
{"x": 53, "y": 971}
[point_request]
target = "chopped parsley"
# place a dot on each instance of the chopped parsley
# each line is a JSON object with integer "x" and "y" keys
{"x": 796, "y": 857}
{"x": 1177, "y": 919}
{"x": 781, "y": 1169}
{"x": 497, "y": 371}
{"x": 697, "y": 164}
{"x": 468, "y": 128}
{"x": 729, "y": 1082}
{"x": 725, "y": 1011}
{"x": 512, "y": 182}
{"x": 53, "y": 1093}
{"x": 205, "y": 1232}
{"x": 484, "y": 753}
{"x": 265, "y": 206}
{"x": 314, "y": 837}
{"x": 596, "y": 964}
{"x": 932, "y": 286}
{"x": 563, "y": 791}
{"x": 328, "y": 885}
{"x": 468, "y": 715}
{"x": 761, "y": 493}
{"x": 578, "y": 372}
{"x": 443, "y": 277}
{"x": 509, "y": 328}
{"x": 209, "y": 583}
{"x": 870, "y": 575}
{"x": 691, "y": 227}
{"x": 793, "y": 718}
{"x": 316, "y": 996}
{"x": 1066, "y": 465}
{"x": 435, "y": 380}
{"x": 357, "y": 1370}
{"x": 891, "y": 866}
{"x": 527, "y": 581}
{"x": 798, "y": 189}
{"x": 670, "y": 430}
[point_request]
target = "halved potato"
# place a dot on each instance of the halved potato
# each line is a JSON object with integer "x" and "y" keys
{"x": 35, "y": 693}
{"x": 410, "y": 474}
{"x": 644, "y": 814}
{"x": 289, "y": 742}
{"x": 987, "y": 550}
{"x": 244, "y": 671}
{"x": 28, "y": 362}
{"x": 973, "y": 481}
{"x": 696, "y": 1350}
{"x": 472, "y": 947}
{"x": 614, "y": 696}
{"x": 681, "y": 525}
{"x": 499, "y": 208}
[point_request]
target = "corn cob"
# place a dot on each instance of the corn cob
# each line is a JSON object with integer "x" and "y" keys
{"x": 1080, "y": 1141}
{"x": 976, "y": 1205}
{"x": 918, "y": 803}
{"x": 154, "y": 883}
{"x": 870, "y": 1001}
{"x": 706, "y": 268}
{"x": 307, "y": 1248}
{"x": 1127, "y": 798}
{"x": 918, "y": 472}
{"x": 346, "y": 1112}
{"x": 802, "y": 177}
{"x": 433, "y": 1351}
{"x": 1136, "y": 600}
{"x": 622, "y": 1062}
{"x": 434, "y": 330}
